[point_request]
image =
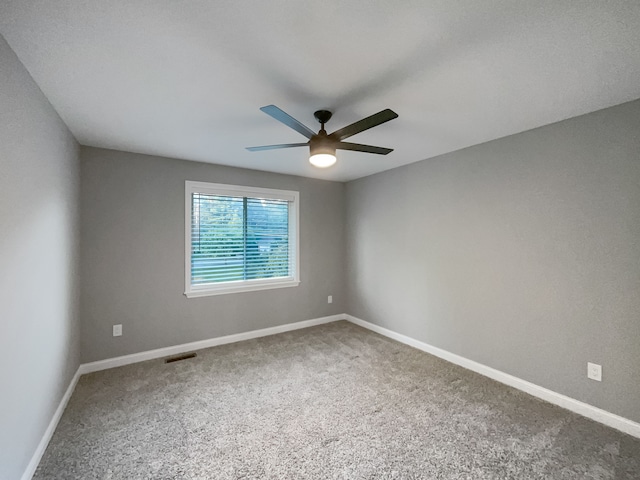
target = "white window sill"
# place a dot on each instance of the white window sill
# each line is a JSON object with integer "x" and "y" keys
{"x": 249, "y": 286}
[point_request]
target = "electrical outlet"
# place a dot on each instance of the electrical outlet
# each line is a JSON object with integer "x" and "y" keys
{"x": 117, "y": 330}
{"x": 594, "y": 371}
{"x": 330, "y": 299}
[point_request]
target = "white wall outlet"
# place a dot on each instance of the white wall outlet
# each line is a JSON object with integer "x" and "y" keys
{"x": 594, "y": 371}
{"x": 330, "y": 299}
{"x": 117, "y": 330}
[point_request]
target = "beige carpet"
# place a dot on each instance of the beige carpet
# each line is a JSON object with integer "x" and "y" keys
{"x": 334, "y": 401}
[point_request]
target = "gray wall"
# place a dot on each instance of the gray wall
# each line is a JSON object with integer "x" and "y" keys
{"x": 522, "y": 254}
{"x": 132, "y": 250}
{"x": 39, "y": 339}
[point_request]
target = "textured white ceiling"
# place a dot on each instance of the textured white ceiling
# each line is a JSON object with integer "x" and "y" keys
{"x": 186, "y": 78}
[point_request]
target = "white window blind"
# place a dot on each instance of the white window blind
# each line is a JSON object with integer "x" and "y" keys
{"x": 240, "y": 239}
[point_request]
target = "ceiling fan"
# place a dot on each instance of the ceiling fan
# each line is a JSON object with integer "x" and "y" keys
{"x": 323, "y": 146}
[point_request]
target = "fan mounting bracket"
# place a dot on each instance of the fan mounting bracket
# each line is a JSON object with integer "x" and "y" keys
{"x": 323, "y": 116}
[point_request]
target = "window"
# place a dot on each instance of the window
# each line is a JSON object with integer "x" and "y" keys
{"x": 239, "y": 239}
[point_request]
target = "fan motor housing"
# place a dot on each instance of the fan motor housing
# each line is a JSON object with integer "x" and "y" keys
{"x": 322, "y": 144}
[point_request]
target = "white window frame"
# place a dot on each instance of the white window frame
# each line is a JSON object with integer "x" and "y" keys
{"x": 236, "y": 286}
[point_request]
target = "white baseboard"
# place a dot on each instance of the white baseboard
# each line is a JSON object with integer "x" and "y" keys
{"x": 199, "y": 345}
{"x": 594, "y": 413}
{"x": 48, "y": 433}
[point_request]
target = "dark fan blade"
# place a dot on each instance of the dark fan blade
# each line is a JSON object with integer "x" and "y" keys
{"x": 363, "y": 148}
{"x": 364, "y": 124}
{"x": 273, "y": 147}
{"x": 288, "y": 120}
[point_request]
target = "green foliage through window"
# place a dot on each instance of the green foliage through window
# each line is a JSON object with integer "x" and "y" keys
{"x": 238, "y": 238}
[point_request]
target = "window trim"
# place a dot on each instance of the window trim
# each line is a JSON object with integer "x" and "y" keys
{"x": 192, "y": 291}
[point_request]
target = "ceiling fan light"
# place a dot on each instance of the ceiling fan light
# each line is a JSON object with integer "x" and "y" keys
{"x": 323, "y": 152}
{"x": 322, "y": 160}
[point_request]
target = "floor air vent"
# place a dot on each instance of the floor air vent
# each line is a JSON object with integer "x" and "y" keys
{"x": 180, "y": 357}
